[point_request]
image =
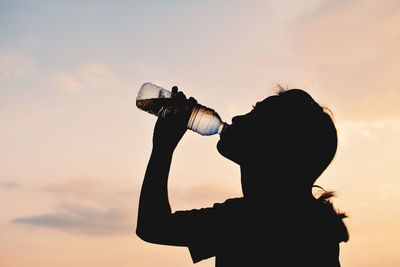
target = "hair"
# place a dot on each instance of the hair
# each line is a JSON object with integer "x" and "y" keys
{"x": 291, "y": 135}
{"x": 317, "y": 138}
{"x": 325, "y": 199}
{"x": 302, "y": 138}
{"x": 309, "y": 131}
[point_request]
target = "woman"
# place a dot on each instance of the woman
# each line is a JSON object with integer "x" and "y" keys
{"x": 282, "y": 146}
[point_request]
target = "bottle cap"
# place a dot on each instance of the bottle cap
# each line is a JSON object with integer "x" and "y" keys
{"x": 222, "y": 127}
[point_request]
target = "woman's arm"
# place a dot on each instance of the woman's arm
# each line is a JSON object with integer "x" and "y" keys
{"x": 154, "y": 208}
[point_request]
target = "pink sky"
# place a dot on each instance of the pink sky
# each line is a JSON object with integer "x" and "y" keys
{"x": 75, "y": 147}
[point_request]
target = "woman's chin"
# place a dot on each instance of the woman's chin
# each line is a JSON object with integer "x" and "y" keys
{"x": 220, "y": 147}
{"x": 224, "y": 150}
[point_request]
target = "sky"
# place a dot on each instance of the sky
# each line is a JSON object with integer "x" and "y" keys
{"x": 74, "y": 147}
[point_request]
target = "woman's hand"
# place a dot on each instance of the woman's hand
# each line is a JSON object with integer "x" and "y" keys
{"x": 169, "y": 130}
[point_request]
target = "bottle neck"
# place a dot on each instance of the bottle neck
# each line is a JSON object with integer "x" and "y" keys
{"x": 222, "y": 127}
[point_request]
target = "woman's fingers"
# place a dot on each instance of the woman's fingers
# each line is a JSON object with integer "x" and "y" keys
{"x": 174, "y": 91}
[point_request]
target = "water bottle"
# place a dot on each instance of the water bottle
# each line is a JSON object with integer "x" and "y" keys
{"x": 159, "y": 101}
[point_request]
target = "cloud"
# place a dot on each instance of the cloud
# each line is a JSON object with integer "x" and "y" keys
{"x": 88, "y": 76}
{"x": 67, "y": 81}
{"x": 80, "y": 218}
{"x": 10, "y": 185}
{"x": 93, "y": 190}
{"x": 350, "y": 132}
{"x": 14, "y": 64}
{"x": 145, "y": 68}
{"x": 96, "y": 74}
{"x": 87, "y": 206}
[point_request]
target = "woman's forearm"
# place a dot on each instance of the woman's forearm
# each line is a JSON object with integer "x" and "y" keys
{"x": 154, "y": 209}
{"x": 154, "y": 205}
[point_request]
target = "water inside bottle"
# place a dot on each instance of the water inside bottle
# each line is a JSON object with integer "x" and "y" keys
{"x": 155, "y": 106}
{"x": 162, "y": 106}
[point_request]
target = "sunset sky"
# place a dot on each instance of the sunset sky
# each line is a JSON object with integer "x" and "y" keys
{"x": 74, "y": 147}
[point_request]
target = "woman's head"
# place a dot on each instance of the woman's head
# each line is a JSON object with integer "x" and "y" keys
{"x": 287, "y": 134}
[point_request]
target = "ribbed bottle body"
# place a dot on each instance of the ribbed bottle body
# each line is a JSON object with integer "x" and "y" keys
{"x": 159, "y": 101}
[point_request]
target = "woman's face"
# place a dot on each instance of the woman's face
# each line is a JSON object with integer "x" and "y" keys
{"x": 246, "y": 134}
{"x": 233, "y": 142}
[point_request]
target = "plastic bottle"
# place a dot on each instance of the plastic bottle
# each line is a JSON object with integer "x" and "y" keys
{"x": 159, "y": 101}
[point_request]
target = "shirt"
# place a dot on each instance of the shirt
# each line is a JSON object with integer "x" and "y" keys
{"x": 240, "y": 234}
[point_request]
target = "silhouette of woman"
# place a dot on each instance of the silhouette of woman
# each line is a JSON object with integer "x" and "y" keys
{"x": 282, "y": 146}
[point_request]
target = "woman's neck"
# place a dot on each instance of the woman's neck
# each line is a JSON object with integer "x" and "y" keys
{"x": 269, "y": 183}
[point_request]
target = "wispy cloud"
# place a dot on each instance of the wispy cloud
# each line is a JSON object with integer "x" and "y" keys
{"x": 351, "y": 132}
{"x": 67, "y": 81}
{"x": 87, "y": 206}
{"x": 81, "y": 218}
{"x": 96, "y": 74}
{"x": 89, "y": 75}
{"x": 15, "y": 64}
{"x": 10, "y": 185}
{"x": 145, "y": 68}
